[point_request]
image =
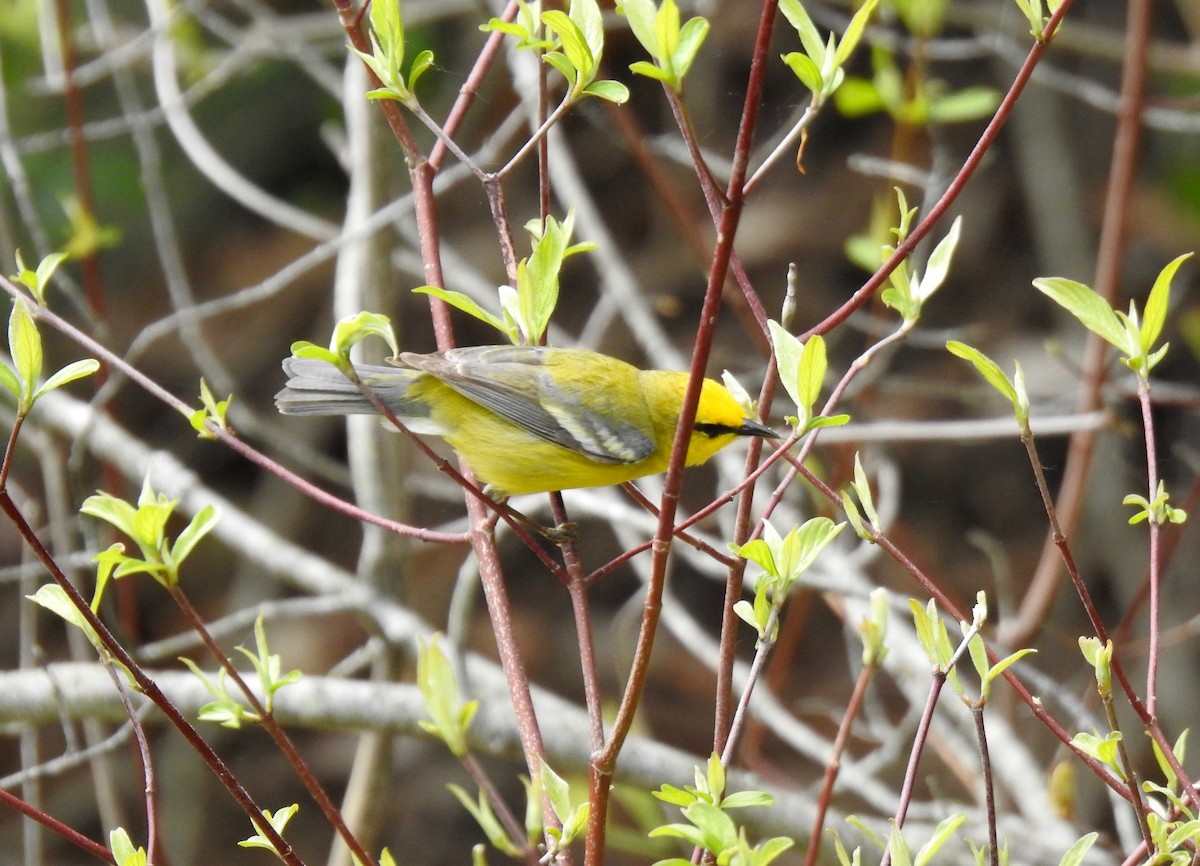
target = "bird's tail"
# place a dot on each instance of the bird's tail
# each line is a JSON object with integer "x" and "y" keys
{"x": 316, "y": 387}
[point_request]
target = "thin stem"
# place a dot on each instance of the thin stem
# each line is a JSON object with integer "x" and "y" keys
{"x": 989, "y": 792}
{"x": 1035, "y": 605}
{"x": 956, "y": 186}
{"x": 1131, "y": 776}
{"x": 514, "y": 828}
{"x": 93, "y": 848}
{"x": 282, "y": 741}
{"x": 835, "y": 762}
{"x": 577, "y": 587}
{"x": 148, "y": 687}
{"x": 946, "y": 604}
{"x": 1155, "y": 544}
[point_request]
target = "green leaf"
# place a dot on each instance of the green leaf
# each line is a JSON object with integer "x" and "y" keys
{"x": 939, "y": 262}
{"x": 963, "y": 106}
{"x": 204, "y": 521}
{"x": 649, "y": 70}
{"x": 610, "y": 91}
{"x": 854, "y": 31}
{"x": 641, "y": 15}
{"x": 804, "y": 69}
{"x": 420, "y": 64}
{"x": 355, "y": 328}
{"x": 811, "y": 375}
{"x": 69, "y": 373}
{"x": 999, "y": 667}
{"x": 481, "y": 810}
{"x": 745, "y": 799}
{"x": 1155, "y": 313}
{"x": 460, "y": 302}
{"x": 691, "y": 37}
{"x": 123, "y": 850}
{"x": 436, "y": 680}
{"x": 941, "y": 833}
{"x": 556, "y": 790}
{"x": 810, "y": 37}
{"x": 995, "y": 377}
{"x": 25, "y": 347}
{"x": 54, "y": 599}
{"x": 1087, "y": 306}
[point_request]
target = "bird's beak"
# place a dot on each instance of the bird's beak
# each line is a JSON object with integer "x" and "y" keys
{"x": 753, "y": 428}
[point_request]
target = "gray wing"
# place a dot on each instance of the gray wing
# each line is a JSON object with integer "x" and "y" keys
{"x": 513, "y": 382}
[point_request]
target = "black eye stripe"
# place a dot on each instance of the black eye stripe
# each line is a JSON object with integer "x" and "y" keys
{"x": 714, "y": 430}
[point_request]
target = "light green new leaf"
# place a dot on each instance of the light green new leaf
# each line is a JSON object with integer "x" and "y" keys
{"x": 854, "y": 31}
{"x": 204, "y": 521}
{"x": 461, "y": 302}
{"x": 355, "y": 328}
{"x": 811, "y": 375}
{"x": 1092, "y": 310}
{"x": 69, "y": 373}
{"x": 586, "y": 15}
{"x": 758, "y": 552}
{"x": 575, "y": 48}
{"x": 805, "y": 69}
{"x": 789, "y": 353}
{"x": 641, "y": 15}
{"x": 943, "y": 832}
{"x": 1076, "y": 853}
{"x": 25, "y": 347}
{"x": 691, "y": 37}
{"x": 1155, "y": 314}
{"x": 608, "y": 90}
{"x": 995, "y": 377}
{"x": 939, "y": 262}
{"x": 810, "y": 37}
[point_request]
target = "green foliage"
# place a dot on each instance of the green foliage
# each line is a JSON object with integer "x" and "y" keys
{"x": 1076, "y": 853}
{"x": 146, "y": 525}
{"x": 783, "y": 561}
{"x": 386, "y": 59}
{"x": 802, "y": 369}
{"x": 1105, "y": 749}
{"x": 25, "y": 349}
{"x": 908, "y": 291}
{"x": 573, "y": 817}
{"x": 867, "y": 529}
{"x": 88, "y": 236}
{"x": 526, "y": 310}
{"x": 575, "y": 51}
{"x": 449, "y": 716}
{"x": 347, "y": 333}
{"x": 1013, "y": 390}
{"x": 278, "y": 820}
{"x": 268, "y": 666}
{"x": 672, "y": 46}
{"x": 935, "y": 640}
{"x": 123, "y": 851}
{"x": 581, "y": 46}
{"x": 1099, "y": 656}
{"x": 526, "y": 29}
{"x": 873, "y": 629}
{"x": 1126, "y": 332}
{"x": 709, "y": 827}
{"x": 211, "y": 410}
{"x": 225, "y": 709}
{"x": 1038, "y": 15}
{"x": 819, "y": 65}
{"x": 481, "y": 810}
{"x": 37, "y": 281}
{"x": 1160, "y": 511}
{"x": 908, "y": 100}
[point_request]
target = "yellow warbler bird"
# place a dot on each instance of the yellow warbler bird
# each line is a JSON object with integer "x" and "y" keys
{"x": 531, "y": 419}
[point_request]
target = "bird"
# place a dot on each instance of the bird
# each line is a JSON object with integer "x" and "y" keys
{"x": 531, "y": 419}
